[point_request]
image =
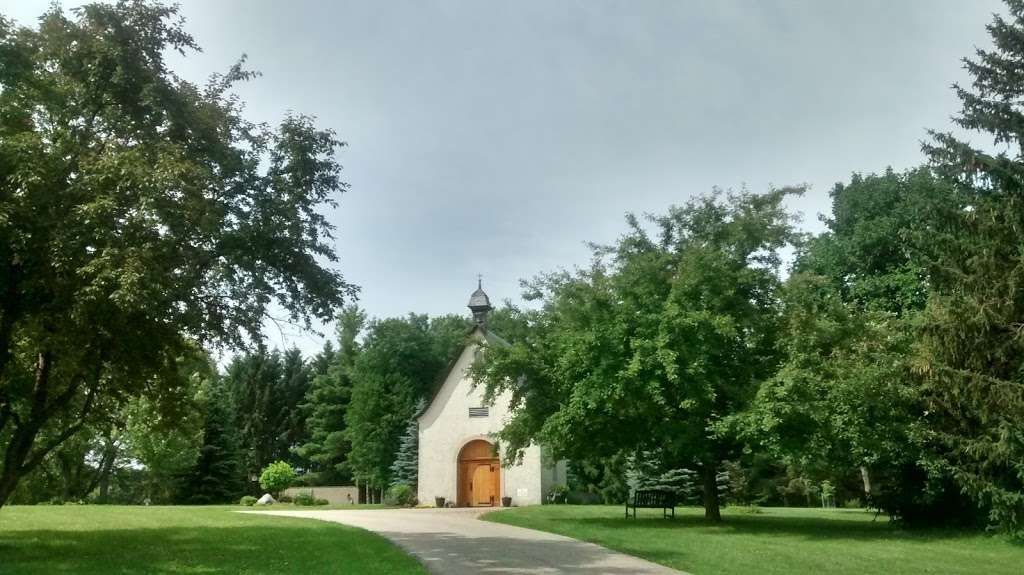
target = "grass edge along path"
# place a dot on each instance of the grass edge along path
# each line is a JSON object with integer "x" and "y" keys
{"x": 776, "y": 541}
{"x": 102, "y": 539}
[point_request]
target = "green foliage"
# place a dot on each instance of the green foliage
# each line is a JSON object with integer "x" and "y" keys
{"x": 972, "y": 353}
{"x": 401, "y": 494}
{"x": 558, "y": 494}
{"x": 845, "y": 400}
{"x": 139, "y": 211}
{"x": 604, "y": 478}
{"x": 405, "y": 468}
{"x": 277, "y": 477}
{"x": 267, "y": 389}
{"x": 216, "y": 476}
{"x": 247, "y": 500}
{"x": 657, "y": 342}
{"x": 399, "y": 361}
{"x": 327, "y": 402}
{"x": 306, "y": 499}
{"x": 168, "y": 444}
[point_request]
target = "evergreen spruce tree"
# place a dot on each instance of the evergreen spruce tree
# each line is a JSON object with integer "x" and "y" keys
{"x": 973, "y": 348}
{"x": 684, "y": 483}
{"x": 327, "y": 401}
{"x": 217, "y": 476}
{"x": 642, "y": 470}
{"x": 404, "y": 471}
{"x": 646, "y": 470}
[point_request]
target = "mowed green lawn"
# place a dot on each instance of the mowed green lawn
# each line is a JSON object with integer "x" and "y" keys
{"x": 94, "y": 539}
{"x": 776, "y": 541}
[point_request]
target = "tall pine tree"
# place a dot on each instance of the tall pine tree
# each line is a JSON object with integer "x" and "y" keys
{"x": 973, "y": 350}
{"x": 327, "y": 401}
{"x": 268, "y": 389}
{"x": 217, "y": 476}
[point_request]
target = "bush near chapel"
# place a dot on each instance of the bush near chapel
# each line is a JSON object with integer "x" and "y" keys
{"x": 402, "y": 495}
{"x": 277, "y": 477}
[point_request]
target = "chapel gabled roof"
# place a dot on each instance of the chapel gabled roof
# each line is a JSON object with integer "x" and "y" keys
{"x": 487, "y": 335}
{"x": 480, "y": 305}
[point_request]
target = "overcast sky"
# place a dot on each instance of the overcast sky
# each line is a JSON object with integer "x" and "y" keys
{"x": 497, "y": 137}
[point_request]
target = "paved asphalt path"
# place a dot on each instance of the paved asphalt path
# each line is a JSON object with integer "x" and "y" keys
{"x": 455, "y": 542}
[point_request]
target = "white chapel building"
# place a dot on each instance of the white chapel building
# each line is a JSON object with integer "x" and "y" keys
{"x": 457, "y": 455}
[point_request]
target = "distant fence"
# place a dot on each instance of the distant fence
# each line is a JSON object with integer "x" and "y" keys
{"x": 335, "y": 495}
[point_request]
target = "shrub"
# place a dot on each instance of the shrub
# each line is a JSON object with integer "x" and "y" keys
{"x": 853, "y": 503}
{"x": 247, "y": 500}
{"x": 277, "y": 477}
{"x": 284, "y": 499}
{"x": 558, "y": 493}
{"x": 305, "y": 498}
{"x": 401, "y": 494}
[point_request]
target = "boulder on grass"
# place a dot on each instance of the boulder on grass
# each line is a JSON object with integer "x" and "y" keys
{"x": 265, "y": 500}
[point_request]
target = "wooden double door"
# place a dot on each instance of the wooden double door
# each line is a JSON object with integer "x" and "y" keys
{"x": 479, "y": 475}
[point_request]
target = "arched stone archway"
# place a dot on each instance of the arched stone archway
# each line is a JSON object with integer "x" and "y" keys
{"x": 479, "y": 471}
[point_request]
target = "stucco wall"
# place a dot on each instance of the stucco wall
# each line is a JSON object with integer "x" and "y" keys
{"x": 335, "y": 494}
{"x": 446, "y": 426}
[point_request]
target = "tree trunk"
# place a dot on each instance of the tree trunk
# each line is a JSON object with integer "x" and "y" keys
{"x": 866, "y": 478}
{"x": 19, "y": 457}
{"x": 712, "y": 511}
{"x": 24, "y": 434}
{"x": 8, "y": 316}
{"x": 102, "y": 481}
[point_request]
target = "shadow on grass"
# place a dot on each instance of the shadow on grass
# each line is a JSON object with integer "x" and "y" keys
{"x": 768, "y": 525}
{"x": 202, "y": 549}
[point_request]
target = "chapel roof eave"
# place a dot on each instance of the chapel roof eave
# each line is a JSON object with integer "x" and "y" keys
{"x": 487, "y": 335}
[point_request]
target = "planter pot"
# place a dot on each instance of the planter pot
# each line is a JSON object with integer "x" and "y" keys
{"x": 439, "y": 502}
{"x": 506, "y": 502}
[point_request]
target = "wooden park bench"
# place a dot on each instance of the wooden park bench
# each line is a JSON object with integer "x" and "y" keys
{"x": 652, "y": 499}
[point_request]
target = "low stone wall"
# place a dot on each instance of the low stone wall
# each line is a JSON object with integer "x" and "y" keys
{"x": 335, "y": 495}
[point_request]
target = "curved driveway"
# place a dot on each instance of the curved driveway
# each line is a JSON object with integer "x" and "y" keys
{"x": 455, "y": 542}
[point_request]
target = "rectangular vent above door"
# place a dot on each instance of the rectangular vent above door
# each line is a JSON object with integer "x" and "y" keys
{"x": 478, "y": 412}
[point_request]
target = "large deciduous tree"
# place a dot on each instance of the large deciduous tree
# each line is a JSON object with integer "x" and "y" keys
{"x": 139, "y": 211}
{"x": 846, "y": 402}
{"x": 655, "y": 344}
{"x": 400, "y": 359}
{"x": 973, "y": 350}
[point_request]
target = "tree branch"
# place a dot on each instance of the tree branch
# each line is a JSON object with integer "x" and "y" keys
{"x": 37, "y": 458}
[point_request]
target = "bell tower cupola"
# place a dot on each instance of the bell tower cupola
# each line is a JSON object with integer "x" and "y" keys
{"x": 480, "y": 304}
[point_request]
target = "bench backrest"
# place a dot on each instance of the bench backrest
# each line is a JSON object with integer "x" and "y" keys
{"x": 653, "y": 498}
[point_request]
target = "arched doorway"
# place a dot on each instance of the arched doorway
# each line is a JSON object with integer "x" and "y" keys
{"x": 479, "y": 475}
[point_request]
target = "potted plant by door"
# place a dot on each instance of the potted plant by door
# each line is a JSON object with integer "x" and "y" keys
{"x": 506, "y": 501}
{"x": 439, "y": 502}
